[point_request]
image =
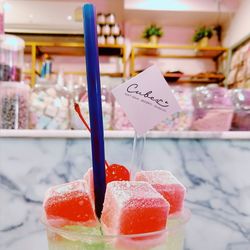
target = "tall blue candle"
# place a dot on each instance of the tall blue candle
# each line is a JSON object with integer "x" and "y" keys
{"x": 95, "y": 105}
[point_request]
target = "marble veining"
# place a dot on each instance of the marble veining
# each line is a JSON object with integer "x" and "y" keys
{"x": 216, "y": 173}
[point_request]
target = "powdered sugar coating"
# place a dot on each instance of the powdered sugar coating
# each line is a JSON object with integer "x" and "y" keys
{"x": 65, "y": 189}
{"x": 167, "y": 185}
{"x": 89, "y": 183}
{"x": 124, "y": 191}
{"x": 69, "y": 204}
{"x": 133, "y": 207}
{"x": 163, "y": 177}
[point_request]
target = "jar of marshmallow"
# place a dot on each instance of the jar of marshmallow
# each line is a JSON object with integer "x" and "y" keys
{"x": 49, "y": 107}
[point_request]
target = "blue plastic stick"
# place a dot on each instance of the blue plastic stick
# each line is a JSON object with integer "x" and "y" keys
{"x": 95, "y": 105}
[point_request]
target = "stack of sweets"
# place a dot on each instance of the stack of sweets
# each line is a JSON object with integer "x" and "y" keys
{"x": 130, "y": 208}
{"x": 49, "y": 108}
{"x": 182, "y": 120}
{"x": 108, "y": 30}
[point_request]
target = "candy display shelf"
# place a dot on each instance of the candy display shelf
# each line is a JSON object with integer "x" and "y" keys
{"x": 242, "y": 135}
{"x": 166, "y": 51}
{"x": 70, "y": 49}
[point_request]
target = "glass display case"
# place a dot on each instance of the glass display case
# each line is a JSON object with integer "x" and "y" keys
{"x": 14, "y": 105}
{"x": 213, "y": 109}
{"x": 241, "y": 101}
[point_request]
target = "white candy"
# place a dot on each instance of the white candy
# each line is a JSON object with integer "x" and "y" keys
{"x": 51, "y": 111}
{"x": 43, "y": 122}
{"x": 51, "y": 92}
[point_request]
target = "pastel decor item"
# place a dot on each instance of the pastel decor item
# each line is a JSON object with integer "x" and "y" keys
{"x": 152, "y": 33}
{"x": 68, "y": 204}
{"x": 133, "y": 208}
{"x": 153, "y": 39}
{"x": 202, "y": 35}
{"x": 167, "y": 185}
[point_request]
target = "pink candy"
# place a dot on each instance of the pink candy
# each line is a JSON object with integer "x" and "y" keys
{"x": 167, "y": 185}
{"x": 69, "y": 203}
{"x": 133, "y": 207}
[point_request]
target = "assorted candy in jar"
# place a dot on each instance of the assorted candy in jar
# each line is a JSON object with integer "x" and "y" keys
{"x": 49, "y": 107}
{"x": 120, "y": 121}
{"x": 213, "y": 109}
{"x": 11, "y": 58}
{"x": 241, "y": 101}
{"x": 14, "y": 105}
{"x": 182, "y": 120}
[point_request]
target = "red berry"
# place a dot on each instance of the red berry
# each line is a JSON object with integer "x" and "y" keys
{"x": 117, "y": 172}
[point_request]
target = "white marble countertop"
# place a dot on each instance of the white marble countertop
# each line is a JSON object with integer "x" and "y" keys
{"x": 215, "y": 172}
{"x": 125, "y": 134}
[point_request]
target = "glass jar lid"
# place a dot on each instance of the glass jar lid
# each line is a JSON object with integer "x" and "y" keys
{"x": 11, "y": 42}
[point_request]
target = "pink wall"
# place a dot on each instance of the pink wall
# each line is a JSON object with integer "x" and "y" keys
{"x": 133, "y": 31}
{"x": 172, "y": 34}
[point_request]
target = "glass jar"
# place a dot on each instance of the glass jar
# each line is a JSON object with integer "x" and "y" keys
{"x": 101, "y": 18}
{"x": 115, "y": 30}
{"x": 76, "y": 123}
{"x": 120, "y": 120}
{"x": 101, "y": 40}
{"x": 110, "y": 18}
{"x": 119, "y": 40}
{"x": 49, "y": 106}
{"x": 1, "y": 17}
{"x": 78, "y": 237}
{"x": 182, "y": 120}
{"x": 106, "y": 30}
{"x": 98, "y": 29}
{"x": 110, "y": 40}
{"x": 14, "y": 105}
{"x": 241, "y": 102}
{"x": 213, "y": 109}
{"x": 11, "y": 58}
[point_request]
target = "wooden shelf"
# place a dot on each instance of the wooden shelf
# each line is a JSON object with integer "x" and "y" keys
{"x": 194, "y": 79}
{"x": 177, "y": 51}
{"x": 115, "y": 74}
{"x": 72, "y": 49}
{"x": 181, "y": 52}
{"x": 54, "y": 48}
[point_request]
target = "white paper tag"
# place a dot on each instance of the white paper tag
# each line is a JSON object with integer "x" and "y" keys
{"x": 147, "y": 99}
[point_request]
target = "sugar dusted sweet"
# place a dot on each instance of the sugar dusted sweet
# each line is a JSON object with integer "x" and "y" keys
{"x": 89, "y": 183}
{"x": 167, "y": 185}
{"x": 70, "y": 203}
{"x": 133, "y": 207}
